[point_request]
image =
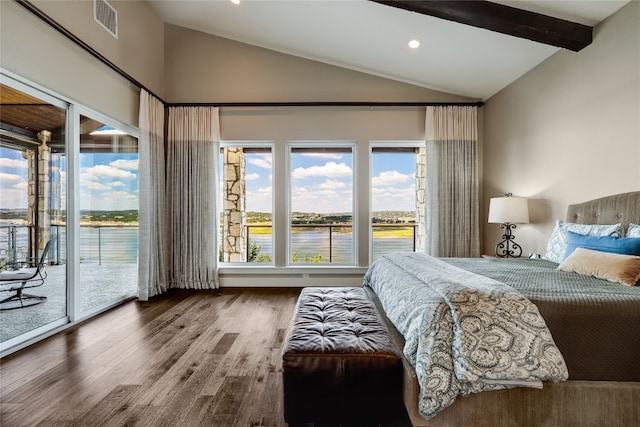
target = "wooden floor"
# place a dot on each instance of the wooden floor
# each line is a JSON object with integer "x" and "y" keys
{"x": 184, "y": 359}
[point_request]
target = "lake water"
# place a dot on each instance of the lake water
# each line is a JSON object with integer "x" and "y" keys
{"x": 317, "y": 242}
{"x": 119, "y": 245}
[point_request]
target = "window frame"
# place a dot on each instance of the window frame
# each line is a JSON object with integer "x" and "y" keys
{"x": 271, "y": 145}
{"x": 325, "y": 144}
{"x": 373, "y": 144}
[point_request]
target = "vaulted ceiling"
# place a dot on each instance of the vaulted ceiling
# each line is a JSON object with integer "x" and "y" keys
{"x": 372, "y": 36}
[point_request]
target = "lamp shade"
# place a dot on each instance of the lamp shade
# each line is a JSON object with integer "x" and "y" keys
{"x": 514, "y": 210}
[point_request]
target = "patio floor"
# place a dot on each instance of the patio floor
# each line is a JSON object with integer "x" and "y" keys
{"x": 99, "y": 285}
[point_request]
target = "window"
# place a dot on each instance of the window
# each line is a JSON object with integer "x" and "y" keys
{"x": 247, "y": 203}
{"x": 397, "y": 198}
{"x": 321, "y": 210}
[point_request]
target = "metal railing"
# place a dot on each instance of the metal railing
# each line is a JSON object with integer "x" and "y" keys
{"x": 16, "y": 246}
{"x": 94, "y": 247}
{"x": 330, "y": 229}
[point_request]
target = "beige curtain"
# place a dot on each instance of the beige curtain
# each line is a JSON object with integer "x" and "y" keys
{"x": 452, "y": 224}
{"x": 193, "y": 141}
{"x": 152, "y": 259}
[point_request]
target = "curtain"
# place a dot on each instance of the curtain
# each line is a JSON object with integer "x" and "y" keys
{"x": 193, "y": 142}
{"x": 451, "y": 194}
{"x": 152, "y": 246}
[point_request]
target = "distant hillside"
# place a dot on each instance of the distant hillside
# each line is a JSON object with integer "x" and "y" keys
{"x": 128, "y": 216}
{"x": 316, "y": 218}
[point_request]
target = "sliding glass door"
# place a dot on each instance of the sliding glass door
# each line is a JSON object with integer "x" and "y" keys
{"x": 32, "y": 212}
{"x": 108, "y": 206}
{"x": 68, "y": 197}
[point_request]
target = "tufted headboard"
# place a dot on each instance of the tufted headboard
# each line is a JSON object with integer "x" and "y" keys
{"x": 624, "y": 208}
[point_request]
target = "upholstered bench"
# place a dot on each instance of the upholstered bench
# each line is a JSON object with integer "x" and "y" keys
{"x": 339, "y": 362}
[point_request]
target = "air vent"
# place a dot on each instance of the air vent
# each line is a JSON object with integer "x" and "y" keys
{"x": 106, "y": 16}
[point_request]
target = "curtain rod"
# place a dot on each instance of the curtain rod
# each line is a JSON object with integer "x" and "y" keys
{"x": 55, "y": 25}
{"x": 327, "y": 104}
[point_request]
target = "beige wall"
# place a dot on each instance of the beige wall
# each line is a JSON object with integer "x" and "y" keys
{"x": 33, "y": 50}
{"x": 139, "y": 48}
{"x": 205, "y": 68}
{"x": 568, "y": 131}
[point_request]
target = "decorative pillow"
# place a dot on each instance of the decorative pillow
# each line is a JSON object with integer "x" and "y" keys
{"x": 617, "y": 245}
{"x": 557, "y": 245}
{"x": 619, "y": 268}
{"x": 633, "y": 230}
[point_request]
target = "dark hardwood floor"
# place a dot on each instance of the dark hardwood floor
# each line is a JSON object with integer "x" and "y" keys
{"x": 183, "y": 359}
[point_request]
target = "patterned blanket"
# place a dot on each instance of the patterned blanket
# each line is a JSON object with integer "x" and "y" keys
{"x": 464, "y": 332}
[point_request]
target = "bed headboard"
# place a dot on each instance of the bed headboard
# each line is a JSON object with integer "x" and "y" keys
{"x": 624, "y": 208}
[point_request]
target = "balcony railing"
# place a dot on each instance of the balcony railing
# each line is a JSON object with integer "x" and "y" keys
{"x": 98, "y": 243}
{"x": 14, "y": 242}
{"x": 331, "y": 229}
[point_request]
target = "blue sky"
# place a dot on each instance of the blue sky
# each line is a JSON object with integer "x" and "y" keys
{"x": 13, "y": 179}
{"x": 107, "y": 181}
{"x": 321, "y": 182}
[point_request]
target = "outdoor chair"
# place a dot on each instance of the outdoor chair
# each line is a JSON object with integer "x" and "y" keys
{"x": 17, "y": 276}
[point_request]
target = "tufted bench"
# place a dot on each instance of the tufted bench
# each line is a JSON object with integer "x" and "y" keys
{"x": 339, "y": 362}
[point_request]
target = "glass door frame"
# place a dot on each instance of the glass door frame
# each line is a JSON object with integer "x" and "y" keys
{"x": 73, "y": 210}
{"x": 9, "y": 79}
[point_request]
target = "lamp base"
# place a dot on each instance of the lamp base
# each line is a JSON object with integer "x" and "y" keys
{"x": 508, "y": 248}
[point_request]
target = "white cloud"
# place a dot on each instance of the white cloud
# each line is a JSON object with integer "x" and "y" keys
{"x": 13, "y": 163}
{"x": 252, "y": 176}
{"x": 21, "y": 185}
{"x": 10, "y": 177}
{"x": 259, "y": 200}
{"x": 106, "y": 171}
{"x": 261, "y": 162}
{"x": 96, "y": 186}
{"x": 131, "y": 165}
{"x": 320, "y": 201}
{"x": 13, "y": 198}
{"x": 393, "y": 198}
{"x": 115, "y": 200}
{"x": 117, "y": 184}
{"x": 330, "y": 170}
{"x": 391, "y": 178}
{"x": 332, "y": 184}
{"x": 124, "y": 196}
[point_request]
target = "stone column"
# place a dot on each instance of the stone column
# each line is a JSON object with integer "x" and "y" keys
{"x": 30, "y": 156}
{"x": 421, "y": 166}
{"x": 44, "y": 191}
{"x": 234, "y": 192}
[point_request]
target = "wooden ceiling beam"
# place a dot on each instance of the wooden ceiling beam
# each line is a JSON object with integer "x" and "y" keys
{"x": 504, "y": 19}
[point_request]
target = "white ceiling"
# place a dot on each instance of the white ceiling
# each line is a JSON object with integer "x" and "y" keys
{"x": 372, "y": 38}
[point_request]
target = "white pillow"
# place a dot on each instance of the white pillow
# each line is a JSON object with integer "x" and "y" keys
{"x": 634, "y": 230}
{"x": 557, "y": 245}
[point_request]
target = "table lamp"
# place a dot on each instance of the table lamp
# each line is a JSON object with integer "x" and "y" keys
{"x": 508, "y": 211}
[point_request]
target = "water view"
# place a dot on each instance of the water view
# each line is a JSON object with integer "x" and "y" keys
{"x": 119, "y": 244}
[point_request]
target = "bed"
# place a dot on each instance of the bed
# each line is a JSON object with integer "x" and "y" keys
{"x": 593, "y": 323}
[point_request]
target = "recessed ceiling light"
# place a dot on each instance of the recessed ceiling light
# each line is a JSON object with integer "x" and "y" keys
{"x": 414, "y": 43}
{"x": 235, "y": 1}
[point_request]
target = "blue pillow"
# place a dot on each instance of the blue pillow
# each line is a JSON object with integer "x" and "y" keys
{"x": 617, "y": 245}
